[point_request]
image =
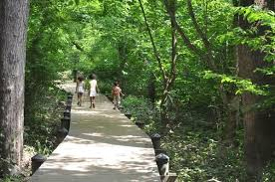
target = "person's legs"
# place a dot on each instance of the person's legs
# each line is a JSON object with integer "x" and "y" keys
{"x": 80, "y": 98}
{"x": 93, "y": 102}
{"x": 116, "y": 101}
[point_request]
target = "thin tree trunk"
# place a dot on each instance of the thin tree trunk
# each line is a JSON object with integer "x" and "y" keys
{"x": 168, "y": 77}
{"x": 231, "y": 102}
{"x": 122, "y": 54}
{"x": 13, "y": 28}
{"x": 173, "y": 71}
{"x": 152, "y": 89}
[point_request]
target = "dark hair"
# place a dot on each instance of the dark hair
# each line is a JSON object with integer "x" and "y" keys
{"x": 80, "y": 78}
{"x": 92, "y": 76}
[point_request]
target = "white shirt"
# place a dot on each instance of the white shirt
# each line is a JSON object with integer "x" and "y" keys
{"x": 93, "y": 84}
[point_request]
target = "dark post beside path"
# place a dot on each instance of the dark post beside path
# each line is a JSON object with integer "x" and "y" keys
{"x": 37, "y": 161}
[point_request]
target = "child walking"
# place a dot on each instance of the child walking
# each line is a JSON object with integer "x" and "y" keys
{"x": 79, "y": 89}
{"x": 116, "y": 93}
{"x": 93, "y": 90}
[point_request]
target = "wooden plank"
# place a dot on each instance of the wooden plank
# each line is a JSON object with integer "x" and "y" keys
{"x": 171, "y": 177}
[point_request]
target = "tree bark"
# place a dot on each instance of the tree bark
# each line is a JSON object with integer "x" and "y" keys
{"x": 13, "y": 28}
{"x": 258, "y": 123}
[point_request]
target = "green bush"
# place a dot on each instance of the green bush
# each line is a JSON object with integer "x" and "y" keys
{"x": 43, "y": 119}
{"x": 140, "y": 108}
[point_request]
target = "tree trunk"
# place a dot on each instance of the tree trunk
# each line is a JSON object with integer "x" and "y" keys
{"x": 13, "y": 28}
{"x": 170, "y": 77}
{"x": 151, "y": 89}
{"x": 258, "y": 123}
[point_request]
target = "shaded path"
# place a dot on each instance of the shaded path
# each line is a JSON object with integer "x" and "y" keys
{"x": 102, "y": 146}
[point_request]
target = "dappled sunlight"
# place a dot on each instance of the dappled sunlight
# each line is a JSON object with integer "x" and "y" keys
{"x": 127, "y": 126}
{"x": 83, "y": 112}
{"x": 94, "y": 134}
{"x": 132, "y": 138}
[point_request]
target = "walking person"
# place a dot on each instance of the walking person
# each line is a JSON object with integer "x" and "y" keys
{"x": 79, "y": 89}
{"x": 116, "y": 93}
{"x": 93, "y": 90}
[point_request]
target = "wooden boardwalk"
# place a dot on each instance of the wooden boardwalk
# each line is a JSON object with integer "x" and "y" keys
{"x": 102, "y": 146}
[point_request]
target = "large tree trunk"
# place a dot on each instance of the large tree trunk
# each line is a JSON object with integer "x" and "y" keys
{"x": 258, "y": 123}
{"x": 13, "y": 28}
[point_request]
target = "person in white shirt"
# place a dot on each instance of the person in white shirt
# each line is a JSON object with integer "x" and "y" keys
{"x": 93, "y": 90}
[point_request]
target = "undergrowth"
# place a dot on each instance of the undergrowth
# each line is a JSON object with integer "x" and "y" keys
{"x": 196, "y": 150}
{"x": 42, "y": 120}
{"x": 41, "y": 125}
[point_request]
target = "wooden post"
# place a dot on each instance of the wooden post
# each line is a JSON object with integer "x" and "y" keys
{"x": 156, "y": 143}
{"x": 120, "y": 108}
{"x": 69, "y": 104}
{"x": 156, "y": 140}
{"x": 69, "y": 101}
{"x": 65, "y": 123}
{"x": 163, "y": 164}
{"x": 61, "y": 134}
{"x": 128, "y": 115}
{"x": 140, "y": 124}
{"x": 37, "y": 161}
{"x": 67, "y": 113}
{"x": 70, "y": 96}
{"x": 69, "y": 107}
{"x": 171, "y": 177}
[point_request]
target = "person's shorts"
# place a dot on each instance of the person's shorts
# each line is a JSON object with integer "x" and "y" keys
{"x": 80, "y": 93}
{"x": 92, "y": 93}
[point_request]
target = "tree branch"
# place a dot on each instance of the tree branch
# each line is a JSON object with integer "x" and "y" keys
{"x": 202, "y": 35}
{"x": 174, "y": 41}
{"x": 77, "y": 46}
{"x": 184, "y": 37}
{"x": 196, "y": 25}
{"x": 152, "y": 42}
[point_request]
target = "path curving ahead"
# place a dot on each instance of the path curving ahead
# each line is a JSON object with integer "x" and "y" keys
{"x": 102, "y": 146}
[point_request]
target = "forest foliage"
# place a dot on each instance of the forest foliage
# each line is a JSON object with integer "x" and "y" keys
{"x": 111, "y": 38}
